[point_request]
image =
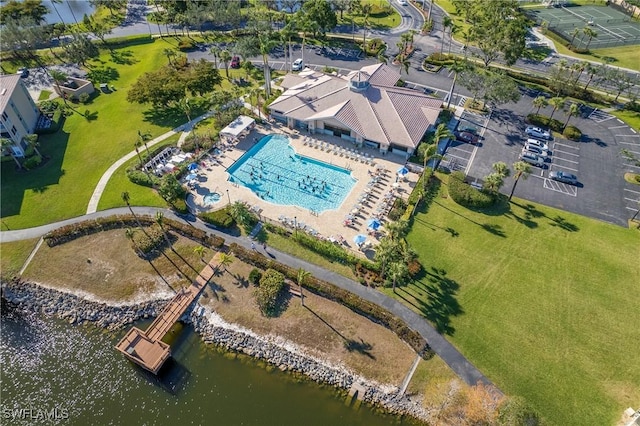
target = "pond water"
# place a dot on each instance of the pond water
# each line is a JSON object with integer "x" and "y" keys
{"x": 74, "y": 372}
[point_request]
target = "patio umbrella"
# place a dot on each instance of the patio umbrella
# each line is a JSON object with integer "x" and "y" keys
{"x": 191, "y": 176}
{"x": 359, "y": 239}
{"x": 403, "y": 171}
{"x": 191, "y": 167}
{"x": 373, "y": 223}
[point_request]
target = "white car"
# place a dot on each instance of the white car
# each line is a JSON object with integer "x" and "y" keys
{"x": 537, "y": 143}
{"x": 297, "y": 65}
{"x": 403, "y": 2}
{"x": 532, "y": 159}
{"x": 535, "y": 150}
{"x": 537, "y": 132}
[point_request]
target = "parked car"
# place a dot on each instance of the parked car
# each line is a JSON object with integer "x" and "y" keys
{"x": 23, "y": 72}
{"x": 531, "y": 158}
{"x": 403, "y": 2}
{"x": 298, "y": 65}
{"x": 537, "y": 132}
{"x": 539, "y": 144}
{"x": 538, "y": 151}
{"x": 467, "y": 137}
{"x": 235, "y": 62}
{"x": 469, "y": 129}
{"x": 564, "y": 177}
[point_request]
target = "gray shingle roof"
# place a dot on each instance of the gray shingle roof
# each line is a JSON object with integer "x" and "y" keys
{"x": 379, "y": 112}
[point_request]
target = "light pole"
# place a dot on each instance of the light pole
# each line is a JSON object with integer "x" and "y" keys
{"x": 295, "y": 225}
{"x": 228, "y": 196}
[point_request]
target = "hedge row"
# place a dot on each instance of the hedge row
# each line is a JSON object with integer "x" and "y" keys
{"x": 334, "y": 293}
{"x": 70, "y": 232}
{"x": 331, "y": 251}
{"x": 220, "y": 218}
{"x": 570, "y": 132}
{"x": 465, "y": 194}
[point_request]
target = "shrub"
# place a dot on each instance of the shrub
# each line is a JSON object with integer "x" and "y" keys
{"x": 329, "y": 250}
{"x": 466, "y": 195}
{"x": 32, "y": 162}
{"x": 84, "y": 97}
{"x": 572, "y": 133}
{"x": 141, "y": 178}
{"x": 149, "y": 240}
{"x": 254, "y": 276}
{"x": 185, "y": 45}
{"x": 398, "y": 209}
{"x": 268, "y": 292}
{"x": 220, "y": 218}
{"x": 543, "y": 121}
{"x": 180, "y": 206}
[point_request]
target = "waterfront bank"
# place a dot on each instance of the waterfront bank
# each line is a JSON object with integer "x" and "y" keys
{"x": 278, "y": 352}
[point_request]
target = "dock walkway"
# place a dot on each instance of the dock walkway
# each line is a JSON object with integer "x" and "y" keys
{"x": 146, "y": 348}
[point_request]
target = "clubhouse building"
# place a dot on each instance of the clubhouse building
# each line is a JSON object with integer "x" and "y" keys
{"x": 364, "y": 107}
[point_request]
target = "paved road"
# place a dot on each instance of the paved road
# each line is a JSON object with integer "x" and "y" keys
{"x": 458, "y": 363}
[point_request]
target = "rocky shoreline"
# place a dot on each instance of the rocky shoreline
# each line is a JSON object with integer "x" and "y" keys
{"x": 277, "y": 351}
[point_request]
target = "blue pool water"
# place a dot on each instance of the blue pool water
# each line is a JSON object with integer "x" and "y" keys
{"x": 211, "y": 198}
{"x": 275, "y": 173}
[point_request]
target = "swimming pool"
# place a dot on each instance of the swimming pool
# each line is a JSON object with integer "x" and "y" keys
{"x": 275, "y": 173}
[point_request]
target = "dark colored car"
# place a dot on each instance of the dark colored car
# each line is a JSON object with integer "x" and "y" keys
{"x": 466, "y": 137}
{"x": 23, "y": 72}
{"x": 564, "y": 177}
{"x": 235, "y": 62}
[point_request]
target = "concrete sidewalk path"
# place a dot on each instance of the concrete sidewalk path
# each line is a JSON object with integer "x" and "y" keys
{"x": 102, "y": 183}
{"x": 441, "y": 346}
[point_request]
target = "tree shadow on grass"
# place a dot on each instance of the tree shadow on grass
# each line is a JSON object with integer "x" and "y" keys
{"x": 532, "y": 212}
{"x": 123, "y": 57}
{"x": 494, "y": 229}
{"x": 562, "y": 223}
{"x": 438, "y": 303}
{"x": 350, "y": 345}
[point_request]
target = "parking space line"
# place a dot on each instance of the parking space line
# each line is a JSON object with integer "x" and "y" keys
{"x": 566, "y": 146}
{"x": 632, "y": 200}
{"x": 633, "y": 130}
{"x": 617, "y": 127}
{"x": 564, "y": 159}
{"x": 565, "y": 152}
{"x": 633, "y": 209}
{"x": 631, "y": 190}
{"x": 565, "y": 168}
{"x": 456, "y": 157}
{"x": 629, "y": 143}
{"x": 561, "y": 187}
{"x": 634, "y": 166}
{"x": 627, "y": 136}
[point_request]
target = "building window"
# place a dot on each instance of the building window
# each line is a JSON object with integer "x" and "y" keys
{"x": 5, "y": 117}
{"x": 14, "y": 130}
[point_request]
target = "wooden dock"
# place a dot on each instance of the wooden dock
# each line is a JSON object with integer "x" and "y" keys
{"x": 146, "y": 348}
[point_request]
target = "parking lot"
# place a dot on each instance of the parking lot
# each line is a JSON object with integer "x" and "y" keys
{"x": 601, "y": 193}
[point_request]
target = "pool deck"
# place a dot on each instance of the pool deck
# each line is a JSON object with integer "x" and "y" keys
{"x": 330, "y": 223}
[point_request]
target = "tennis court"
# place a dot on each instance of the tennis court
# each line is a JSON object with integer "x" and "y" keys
{"x": 613, "y": 28}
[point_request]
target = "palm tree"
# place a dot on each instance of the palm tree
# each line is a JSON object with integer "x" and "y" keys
{"x": 225, "y": 260}
{"x": 137, "y": 145}
{"x": 366, "y": 10}
{"x": 573, "y": 110}
{"x": 493, "y": 182}
{"x": 427, "y": 152}
{"x": 446, "y": 23}
{"x": 501, "y": 168}
{"x": 126, "y": 198}
{"x": 592, "y": 71}
{"x": 397, "y": 270}
{"x": 286, "y": 34}
{"x": 266, "y": 42}
{"x": 405, "y": 64}
{"x": 239, "y": 212}
{"x": 129, "y": 233}
{"x": 556, "y": 103}
{"x": 302, "y": 275}
{"x": 200, "y": 251}
{"x": 397, "y": 230}
{"x": 5, "y": 145}
{"x": 591, "y": 34}
{"x": 574, "y": 34}
{"x": 32, "y": 142}
{"x": 522, "y": 170}
{"x": 143, "y": 139}
{"x": 160, "y": 222}
{"x": 58, "y": 78}
{"x": 385, "y": 251}
{"x": 215, "y": 51}
{"x": 255, "y": 92}
{"x": 381, "y": 58}
{"x": 225, "y": 58}
{"x": 169, "y": 53}
{"x": 540, "y": 102}
{"x": 456, "y": 67}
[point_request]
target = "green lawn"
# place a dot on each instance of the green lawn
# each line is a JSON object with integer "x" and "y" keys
{"x": 14, "y": 254}
{"x": 544, "y": 302}
{"x": 82, "y": 150}
{"x": 632, "y": 118}
{"x": 382, "y": 15}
